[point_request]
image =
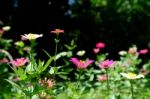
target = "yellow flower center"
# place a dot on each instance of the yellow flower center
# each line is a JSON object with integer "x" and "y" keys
{"x": 81, "y": 61}
{"x": 132, "y": 75}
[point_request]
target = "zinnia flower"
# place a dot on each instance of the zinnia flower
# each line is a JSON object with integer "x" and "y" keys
{"x": 122, "y": 53}
{"x": 49, "y": 83}
{"x": 144, "y": 72}
{"x": 31, "y": 36}
{"x": 6, "y": 28}
{"x": 4, "y": 60}
{"x": 19, "y": 61}
{"x": 1, "y": 31}
{"x": 80, "y": 63}
{"x": 143, "y": 51}
{"x": 106, "y": 64}
{"x": 96, "y": 50}
{"x": 133, "y": 50}
{"x": 100, "y": 45}
{"x": 102, "y": 78}
{"x": 132, "y": 75}
{"x": 57, "y": 31}
{"x": 81, "y": 53}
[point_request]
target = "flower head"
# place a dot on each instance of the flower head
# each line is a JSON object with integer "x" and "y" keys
{"x": 49, "y": 83}
{"x": 144, "y": 72}
{"x": 106, "y": 64}
{"x": 132, "y": 75}
{"x": 1, "y": 31}
{"x": 6, "y": 28}
{"x": 122, "y": 53}
{"x": 133, "y": 50}
{"x": 100, "y": 45}
{"x": 80, "y": 63}
{"x": 57, "y": 31}
{"x": 102, "y": 78}
{"x": 19, "y": 61}
{"x": 81, "y": 53}
{"x": 143, "y": 51}
{"x": 96, "y": 50}
{"x": 4, "y": 60}
{"x": 31, "y": 36}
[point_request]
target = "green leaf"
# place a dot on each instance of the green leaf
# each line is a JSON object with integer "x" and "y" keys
{"x": 91, "y": 78}
{"x": 51, "y": 71}
{"x": 63, "y": 77}
{"x": 40, "y": 66}
{"x": 48, "y": 63}
{"x": 47, "y": 53}
{"x": 21, "y": 73}
{"x": 14, "y": 84}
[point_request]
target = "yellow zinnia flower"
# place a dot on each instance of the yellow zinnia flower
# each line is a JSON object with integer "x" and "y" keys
{"x": 132, "y": 75}
{"x": 31, "y": 36}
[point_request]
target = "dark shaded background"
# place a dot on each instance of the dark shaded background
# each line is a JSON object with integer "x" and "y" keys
{"x": 119, "y": 24}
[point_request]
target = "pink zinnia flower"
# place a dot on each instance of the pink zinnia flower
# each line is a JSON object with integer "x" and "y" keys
{"x": 96, "y": 50}
{"x": 4, "y": 60}
{"x": 102, "y": 78}
{"x": 100, "y": 45}
{"x": 1, "y": 31}
{"x": 106, "y": 64}
{"x": 49, "y": 83}
{"x": 57, "y": 31}
{"x": 143, "y": 51}
{"x": 144, "y": 72}
{"x": 19, "y": 61}
{"x": 80, "y": 63}
{"x": 133, "y": 51}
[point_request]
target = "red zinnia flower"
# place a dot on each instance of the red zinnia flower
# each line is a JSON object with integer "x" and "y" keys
{"x": 57, "y": 31}
{"x": 143, "y": 51}
{"x": 100, "y": 45}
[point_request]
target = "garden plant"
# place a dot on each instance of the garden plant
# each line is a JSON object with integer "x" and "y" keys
{"x": 70, "y": 74}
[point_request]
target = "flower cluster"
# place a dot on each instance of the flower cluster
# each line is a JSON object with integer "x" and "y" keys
{"x": 99, "y": 46}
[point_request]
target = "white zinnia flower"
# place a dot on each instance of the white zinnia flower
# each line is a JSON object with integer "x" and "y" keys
{"x": 31, "y": 36}
{"x": 6, "y": 28}
{"x": 132, "y": 75}
{"x": 81, "y": 53}
{"x": 122, "y": 53}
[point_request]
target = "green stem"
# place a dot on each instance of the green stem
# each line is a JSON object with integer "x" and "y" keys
{"x": 32, "y": 46}
{"x": 56, "y": 49}
{"x": 132, "y": 92}
{"x": 78, "y": 82}
{"x": 108, "y": 87}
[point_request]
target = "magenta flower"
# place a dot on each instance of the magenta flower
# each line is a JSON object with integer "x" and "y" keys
{"x": 106, "y": 64}
{"x": 143, "y": 51}
{"x": 100, "y": 45}
{"x": 19, "y": 61}
{"x": 96, "y": 50}
{"x": 80, "y": 63}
